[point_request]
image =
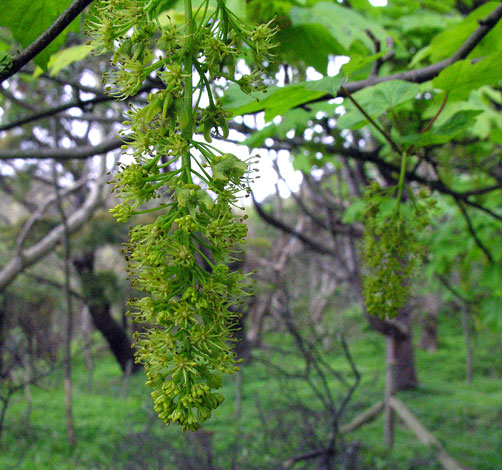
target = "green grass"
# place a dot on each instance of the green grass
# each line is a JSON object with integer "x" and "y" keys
{"x": 116, "y": 432}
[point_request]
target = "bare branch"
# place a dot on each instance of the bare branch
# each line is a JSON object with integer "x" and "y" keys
{"x": 472, "y": 231}
{"x": 82, "y": 104}
{"x": 31, "y": 255}
{"x": 373, "y": 157}
{"x": 56, "y": 110}
{"x": 22, "y": 104}
{"x": 53, "y": 283}
{"x": 309, "y": 243}
{"x": 74, "y": 153}
{"x": 41, "y": 210}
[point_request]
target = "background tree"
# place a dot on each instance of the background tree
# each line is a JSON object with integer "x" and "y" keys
{"x": 422, "y": 77}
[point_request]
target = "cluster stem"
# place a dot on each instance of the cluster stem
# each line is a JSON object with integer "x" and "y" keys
{"x": 187, "y": 91}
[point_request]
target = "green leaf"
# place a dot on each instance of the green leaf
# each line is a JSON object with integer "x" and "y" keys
{"x": 280, "y": 100}
{"x": 492, "y": 278}
{"x": 459, "y": 122}
{"x": 5, "y": 61}
{"x": 308, "y": 44}
{"x": 347, "y": 26}
{"x": 302, "y": 162}
{"x": 354, "y": 212}
{"x": 486, "y": 124}
{"x": 293, "y": 119}
{"x": 460, "y": 78}
{"x": 364, "y": 5}
{"x": 235, "y": 98}
{"x": 376, "y": 100}
{"x": 447, "y": 42}
{"x": 28, "y": 19}
{"x": 287, "y": 98}
{"x": 423, "y": 20}
{"x": 65, "y": 57}
{"x": 357, "y": 62}
{"x": 439, "y": 5}
{"x": 491, "y": 309}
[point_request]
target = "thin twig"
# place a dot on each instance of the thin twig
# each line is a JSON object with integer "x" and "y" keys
{"x": 472, "y": 231}
{"x": 312, "y": 244}
{"x": 53, "y": 283}
{"x": 81, "y": 104}
{"x": 68, "y": 386}
{"x": 454, "y": 291}
{"x": 431, "y": 122}
{"x": 380, "y": 129}
{"x": 41, "y": 210}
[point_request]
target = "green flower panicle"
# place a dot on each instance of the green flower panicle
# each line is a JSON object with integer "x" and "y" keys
{"x": 392, "y": 251}
{"x": 180, "y": 259}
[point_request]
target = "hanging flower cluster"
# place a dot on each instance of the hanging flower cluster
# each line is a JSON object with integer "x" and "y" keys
{"x": 392, "y": 249}
{"x": 180, "y": 260}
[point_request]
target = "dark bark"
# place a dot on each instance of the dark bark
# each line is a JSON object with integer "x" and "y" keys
{"x": 429, "y": 337}
{"x": 100, "y": 309}
{"x": 405, "y": 375}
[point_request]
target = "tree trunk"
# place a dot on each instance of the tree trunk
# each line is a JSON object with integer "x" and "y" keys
{"x": 399, "y": 328}
{"x": 405, "y": 375}
{"x": 429, "y": 337}
{"x": 100, "y": 309}
{"x": 390, "y": 386}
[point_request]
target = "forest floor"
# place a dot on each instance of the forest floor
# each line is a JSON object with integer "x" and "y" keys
{"x": 117, "y": 430}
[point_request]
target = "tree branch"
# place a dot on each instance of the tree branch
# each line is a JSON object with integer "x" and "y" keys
{"x": 312, "y": 244}
{"x": 430, "y": 71}
{"x": 74, "y": 153}
{"x": 373, "y": 157}
{"x": 51, "y": 282}
{"x": 37, "y": 214}
{"x": 76, "y": 220}
{"x": 473, "y": 233}
{"x": 82, "y": 104}
{"x": 56, "y": 110}
{"x": 61, "y": 23}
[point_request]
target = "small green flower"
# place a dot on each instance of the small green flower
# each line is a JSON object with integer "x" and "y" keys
{"x": 122, "y": 212}
{"x": 192, "y": 197}
{"x": 228, "y": 168}
{"x": 125, "y": 82}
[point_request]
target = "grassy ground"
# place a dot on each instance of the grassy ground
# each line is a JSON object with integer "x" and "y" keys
{"x": 119, "y": 431}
